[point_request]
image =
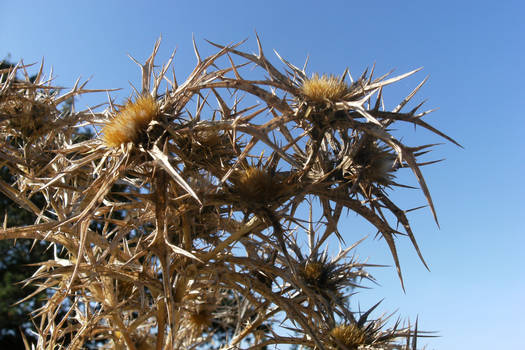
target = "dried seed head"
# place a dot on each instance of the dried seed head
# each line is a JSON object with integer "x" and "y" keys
{"x": 329, "y": 278}
{"x": 324, "y": 88}
{"x": 28, "y": 116}
{"x": 200, "y": 319}
{"x": 199, "y": 141}
{"x": 258, "y": 185}
{"x": 146, "y": 343}
{"x": 373, "y": 164}
{"x": 313, "y": 271}
{"x": 351, "y": 336}
{"x": 208, "y": 149}
{"x": 124, "y": 289}
{"x": 130, "y": 122}
{"x": 203, "y": 222}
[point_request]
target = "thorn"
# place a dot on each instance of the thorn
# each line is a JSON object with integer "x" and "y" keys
{"x": 195, "y": 49}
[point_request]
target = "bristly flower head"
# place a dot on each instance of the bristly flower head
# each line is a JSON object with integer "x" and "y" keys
{"x": 200, "y": 319}
{"x": 326, "y": 276}
{"x": 324, "y": 88}
{"x": 373, "y": 164}
{"x": 351, "y": 336}
{"x": 131, "y": 121}
{"x": 257, "y": 184}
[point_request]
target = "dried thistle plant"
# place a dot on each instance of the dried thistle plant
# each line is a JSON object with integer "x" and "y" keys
{"x": 176, "y": 233}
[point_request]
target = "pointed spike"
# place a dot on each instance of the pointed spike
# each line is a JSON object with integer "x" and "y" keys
{"x": 422, "y": 114}
{"x": 134, "y": 60}
{"x": 342, "y": 77}
{"x": 393, "y": 250}
{"x": 378, "y": 99}
{"x": 414, "y": 344}
{"x": 422, "y": 147}
{"x": 414, "y": 110}
{"x": 226, "y": 111}
{"x": 416, "y": 208}
{"x": 363, "y": 75}
{"x": 393, "y": 80}
{"x": 199, "y": 60}
{"x": 291, "y": 66}
{"x": 409, "y": 158}
{"x": 409, "y": 96}
{"x": 40, "y": 70}
{"x": 430, "y": 162}
{"x": 235, "y": 72}
{"x": 161, "y": 159}
{"x": 371, "y": 74}
{"x": 26, "y": 74}
{"x": 306, "y": 63}
{"x": 364, "y": 317}
{"x": 384, "y": 76}
{"x": 311, "y": 236}
{"x": 259, "y": 46}
{"x": 50, "y": 76}
{"x": 350, "y": 76}
{"x": 175, "y": 83}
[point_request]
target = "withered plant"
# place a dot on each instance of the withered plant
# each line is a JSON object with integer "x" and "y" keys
{"x": 184, "y": 215}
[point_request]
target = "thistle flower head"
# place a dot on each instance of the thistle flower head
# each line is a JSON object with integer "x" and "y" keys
{"x": 124, "y": 290}
{"x": 373, "y": 164}
{"x": 200, "y": 319}
{"x": 130, "y": 122}
{"x": 313, "y": 271}
{"x": 199, "y": 316}
{"x": 330, "y": 277}
{"x": 208, "y": 149}
{"x": 324, "y": 88}
{"x": 258, "y": 185}
{"x": 146, "y": 343}
{"x": 28, "y": 116}
{"x": 351, "y": 336}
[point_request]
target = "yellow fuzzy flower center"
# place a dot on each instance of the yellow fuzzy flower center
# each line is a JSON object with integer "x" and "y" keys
{"x": 130, "y": 121}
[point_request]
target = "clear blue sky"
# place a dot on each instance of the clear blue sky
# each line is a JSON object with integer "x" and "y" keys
{"x": 474, "y": 54}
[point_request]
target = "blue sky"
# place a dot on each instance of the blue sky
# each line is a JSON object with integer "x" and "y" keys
{"x": 474, "y": 54}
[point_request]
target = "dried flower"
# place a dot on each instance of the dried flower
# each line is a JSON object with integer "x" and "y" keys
{"x": 313, "y": 271}
{"x": 351, "y": 336}
{"x": 124, "y": 289}
{"x": 30, "y": 117}
{"x": 130, "y": 122}
{"x": 200, "y": 319}
{"x": 324, "y": 88}
{"x": 372, "y": 164}
{"x": 329, "y": 277}
{"x": 146, "y": 343}
{"x": 207, "y": 149}
{"x": 258, "y": 185}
